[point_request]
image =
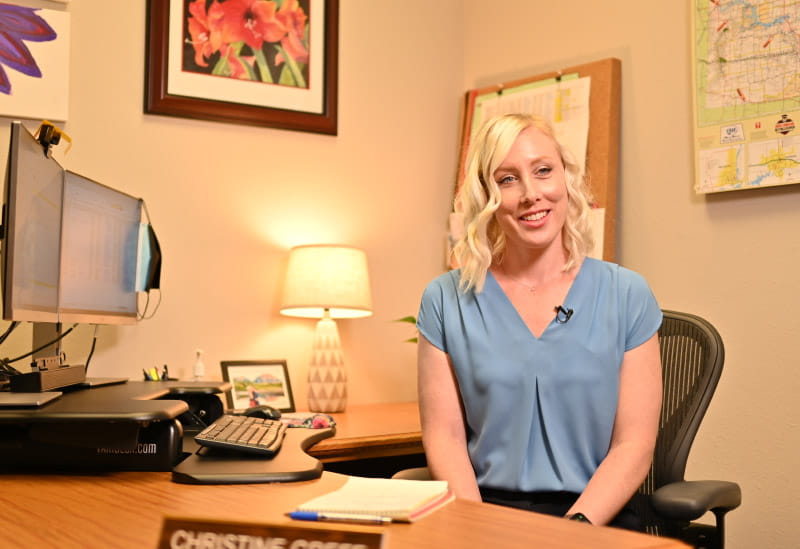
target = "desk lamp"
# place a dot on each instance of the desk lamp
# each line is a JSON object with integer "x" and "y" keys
{"x": 327, "y": 282}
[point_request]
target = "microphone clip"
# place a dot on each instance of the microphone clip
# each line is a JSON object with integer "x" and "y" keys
{"x": 563, "y": 315}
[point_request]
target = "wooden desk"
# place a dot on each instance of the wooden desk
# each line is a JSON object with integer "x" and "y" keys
{"x": 127, "y": 509}
{"x": 372, "y": 431}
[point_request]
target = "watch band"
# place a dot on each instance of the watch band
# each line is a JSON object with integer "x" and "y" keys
{"x": 579, "y": 517}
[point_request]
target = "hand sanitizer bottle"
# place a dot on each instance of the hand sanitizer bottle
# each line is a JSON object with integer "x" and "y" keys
{"x": 199, "y": 367}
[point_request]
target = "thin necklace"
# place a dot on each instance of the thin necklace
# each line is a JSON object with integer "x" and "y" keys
{"x": 531, "y": 289}
{"x": 528, "y": 287}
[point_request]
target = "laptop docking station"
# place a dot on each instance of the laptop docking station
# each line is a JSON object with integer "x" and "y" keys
{"x": 47, "y": 380}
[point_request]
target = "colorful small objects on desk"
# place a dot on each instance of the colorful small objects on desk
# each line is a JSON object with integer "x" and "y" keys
{"x": 319, "y": 421}
{"x": 308, "y": 421}
{"x": 151, "y": 374}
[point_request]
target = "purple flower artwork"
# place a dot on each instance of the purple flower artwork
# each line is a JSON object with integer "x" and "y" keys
{"x": 17, "y": 25}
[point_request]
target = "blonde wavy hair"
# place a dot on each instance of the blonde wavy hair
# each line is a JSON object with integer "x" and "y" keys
{"x": 483, "y": 242}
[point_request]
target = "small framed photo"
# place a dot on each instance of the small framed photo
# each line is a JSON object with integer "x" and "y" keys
{"x": 258, "y": 382}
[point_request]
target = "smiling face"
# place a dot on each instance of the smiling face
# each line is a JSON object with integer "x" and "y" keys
{"x": 533, "y": 190}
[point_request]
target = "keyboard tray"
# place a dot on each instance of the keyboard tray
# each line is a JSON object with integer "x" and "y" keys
{"x": 290, "y": 464}
{"x": 263, "y": 437}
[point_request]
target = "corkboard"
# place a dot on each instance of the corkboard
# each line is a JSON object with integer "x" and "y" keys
{"x": 602, "y": 153}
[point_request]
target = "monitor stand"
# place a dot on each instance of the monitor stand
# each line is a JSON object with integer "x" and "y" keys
{"x": 49, "y": 373}
{"x": 47, "y": 339}
{"x": 45, "y": 333}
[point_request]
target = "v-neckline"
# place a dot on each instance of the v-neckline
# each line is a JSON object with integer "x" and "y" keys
{"x": 516, "y": 311}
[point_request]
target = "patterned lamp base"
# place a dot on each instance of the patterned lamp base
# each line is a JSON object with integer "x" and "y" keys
{"x": 327, "y": 378}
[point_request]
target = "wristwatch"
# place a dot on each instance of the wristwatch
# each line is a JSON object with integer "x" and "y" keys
{"x": 578, "y": 517}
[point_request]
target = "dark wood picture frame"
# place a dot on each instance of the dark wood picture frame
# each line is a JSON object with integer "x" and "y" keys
{"x": 252, "y": 370}
{"x": 158, "y": 101}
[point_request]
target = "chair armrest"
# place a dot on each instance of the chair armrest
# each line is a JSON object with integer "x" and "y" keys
{"x": 691, "y": 500}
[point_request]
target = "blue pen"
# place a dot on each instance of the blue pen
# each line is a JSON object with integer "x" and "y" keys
{"x": 339, "y": 517}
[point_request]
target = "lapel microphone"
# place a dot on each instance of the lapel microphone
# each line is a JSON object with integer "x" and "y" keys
{"x": 563, "y": 315}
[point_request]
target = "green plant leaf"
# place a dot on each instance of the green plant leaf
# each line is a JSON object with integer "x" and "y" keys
{"x": 409, "y": 319}
{"x": 293, "y": 68}
{"x": 251, "y": 72}
{"x": 263, "y": 66}
{"x": 286, "y": 78}
{"x": 221, "y": 68}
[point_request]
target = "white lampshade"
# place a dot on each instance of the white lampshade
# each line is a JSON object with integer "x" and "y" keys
{"x": 331, "y": 277}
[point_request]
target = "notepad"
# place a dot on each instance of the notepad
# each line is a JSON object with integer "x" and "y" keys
{"x": 401, "y": 500}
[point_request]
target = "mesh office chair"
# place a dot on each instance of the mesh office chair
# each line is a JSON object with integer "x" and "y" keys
{"x": 692, "y": 356}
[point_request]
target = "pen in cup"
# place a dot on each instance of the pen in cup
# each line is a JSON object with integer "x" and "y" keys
{"x": 339, "y": 517}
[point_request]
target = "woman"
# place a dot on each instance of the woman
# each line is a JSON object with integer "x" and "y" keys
{"x": 539, "y": 368}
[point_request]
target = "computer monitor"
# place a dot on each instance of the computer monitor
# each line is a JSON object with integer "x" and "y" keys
{"x": 71, "y": 245}
{"x": 100, "y": 229}
{"x": 32, "y": 230}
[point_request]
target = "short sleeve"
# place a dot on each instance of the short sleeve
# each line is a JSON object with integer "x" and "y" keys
{"x": 430, "y": 318}
{"x": 644, "y": 313}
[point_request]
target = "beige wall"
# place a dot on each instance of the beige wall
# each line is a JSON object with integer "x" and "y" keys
{"x": 731, "y": 258}
{"x": 228, "y": 201}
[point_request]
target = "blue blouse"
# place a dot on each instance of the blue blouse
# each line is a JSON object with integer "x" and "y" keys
{"x": 540, "y": 411}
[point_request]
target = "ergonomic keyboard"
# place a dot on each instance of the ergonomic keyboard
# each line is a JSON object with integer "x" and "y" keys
{"x": 253, "y": 435}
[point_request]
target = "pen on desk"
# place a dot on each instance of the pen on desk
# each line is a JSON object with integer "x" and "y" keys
{"x": 339, "y": 517}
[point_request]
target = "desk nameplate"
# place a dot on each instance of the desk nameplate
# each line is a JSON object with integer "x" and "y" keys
{"x": 185, "y": 533}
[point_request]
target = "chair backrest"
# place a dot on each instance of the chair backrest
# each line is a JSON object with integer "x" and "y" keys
{"x": 692, "y": 356}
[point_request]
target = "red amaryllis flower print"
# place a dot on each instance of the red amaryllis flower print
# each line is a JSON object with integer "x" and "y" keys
{"x": 294, "y": 19}
{"x": 239, "y": 66}
{"x": 205, "y": 30}
{"x": 251, "y": 21}
{"x": 18, "y": 23}
{"x": 257, "y": 40}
